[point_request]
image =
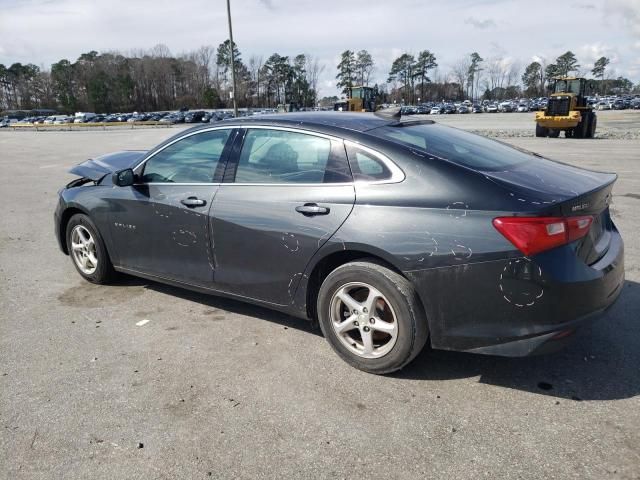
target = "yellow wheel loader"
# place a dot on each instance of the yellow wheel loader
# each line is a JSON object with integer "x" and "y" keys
{"x": 567, "y": 110}
{"x": 359, "y": 99}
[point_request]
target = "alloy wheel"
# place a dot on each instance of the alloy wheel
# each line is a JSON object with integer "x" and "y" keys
{"x": 83, "y": 249}
{"x": 363, "y": 320}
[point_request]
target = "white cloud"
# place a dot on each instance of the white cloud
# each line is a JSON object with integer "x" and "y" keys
{"x": 44, "y": 31}
{"x": 589, "y": 53}
{"x": 480, "y": 24}
{"x": 626, "y": 12}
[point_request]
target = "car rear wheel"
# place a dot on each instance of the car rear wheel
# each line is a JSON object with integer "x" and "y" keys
{"x": 554, "y": 133}
{"x": 87, "y": 250}
{"x": 372, "y": 317}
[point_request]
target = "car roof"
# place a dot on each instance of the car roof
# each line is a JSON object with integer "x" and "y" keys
{"x": 327, "y": 122}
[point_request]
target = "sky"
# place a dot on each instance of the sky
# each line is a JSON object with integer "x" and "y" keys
{"x": 45, "y": 31}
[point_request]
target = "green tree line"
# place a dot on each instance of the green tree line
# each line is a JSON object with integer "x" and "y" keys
{"x": 157, "y": 80}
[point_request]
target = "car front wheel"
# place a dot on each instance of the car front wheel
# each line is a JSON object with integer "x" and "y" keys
{"x": 87, "y": 250}
{"x": 372, "y": 317}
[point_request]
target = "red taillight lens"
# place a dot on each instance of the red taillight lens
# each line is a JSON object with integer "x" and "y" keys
{"x": 533, "y": 235}
{"x": 578, "y": 227}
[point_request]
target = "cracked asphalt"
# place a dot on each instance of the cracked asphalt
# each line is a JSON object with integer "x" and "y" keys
{"x": 213, "y": 388}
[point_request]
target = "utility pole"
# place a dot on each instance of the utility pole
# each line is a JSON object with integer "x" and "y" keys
{"x": 233, "y": 62}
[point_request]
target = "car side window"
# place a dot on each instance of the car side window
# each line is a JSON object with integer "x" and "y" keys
{"x": 278, "y": 156}
{"x": 192, "y": 159}
{"x": 366, "y": 166}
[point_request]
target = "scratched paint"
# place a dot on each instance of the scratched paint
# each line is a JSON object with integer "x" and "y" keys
{"x": 521, "y": 283}
{"x": 290, "y": 242}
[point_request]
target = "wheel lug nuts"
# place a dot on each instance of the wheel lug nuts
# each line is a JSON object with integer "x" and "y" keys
{"x": 366, "y": 329}
{"x": 356, "y": 324}
{"x": 364, "y": 310}
{"x": 372, "y": 320}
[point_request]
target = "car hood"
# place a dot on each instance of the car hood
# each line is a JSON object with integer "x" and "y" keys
{"x": 98, "y": 167}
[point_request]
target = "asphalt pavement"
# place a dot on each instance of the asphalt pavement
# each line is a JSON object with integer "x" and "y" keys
{"x": 141, "y": 380}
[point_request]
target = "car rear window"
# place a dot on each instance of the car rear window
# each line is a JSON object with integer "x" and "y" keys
{"x": 458, "y": 146}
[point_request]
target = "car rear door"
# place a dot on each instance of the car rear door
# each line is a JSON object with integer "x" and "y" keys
{"x": 286, "y": 191}
{"x": 160, "y": 225}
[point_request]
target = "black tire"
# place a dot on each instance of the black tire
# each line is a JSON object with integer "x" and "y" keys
{"x": 541, "y": 131}
{"x": 104, "y": 271}
{"x": 581, "y": 130}
{"x": 568, "y": 133}
{"x": 411, "y": 322}
{"x": 593, "y": 122}
{"x": 554, "y": 133}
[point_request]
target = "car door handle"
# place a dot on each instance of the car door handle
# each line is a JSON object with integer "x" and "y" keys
{"x": 310, "y": 209}
{"x": 193, "y": 202}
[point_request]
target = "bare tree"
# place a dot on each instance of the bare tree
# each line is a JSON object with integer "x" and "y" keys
{"x": 459, "y": 73}
{"x": 313, "y": 71}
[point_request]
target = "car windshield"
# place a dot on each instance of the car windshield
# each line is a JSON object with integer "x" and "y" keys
{"x": 455, "y": 145}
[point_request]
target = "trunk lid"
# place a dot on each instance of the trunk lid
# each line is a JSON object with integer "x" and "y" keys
{"x": 96, "y": 168}
{"x": 556, "y": 189}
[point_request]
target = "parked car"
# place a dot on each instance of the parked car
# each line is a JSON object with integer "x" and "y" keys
{"x": 193, "y": 116}
{"x": 492, "y": 108}
{"x": 476, "y": 108}
{"x": 463, "y": 109}
{"x": 437, "y": 110}
{"x": 618, "y": 104}
{"x": 449, "y": 108}
{"x": 389, "y": 234}
{"x": 506, "y": 107}
{"x": 172, "y": 118}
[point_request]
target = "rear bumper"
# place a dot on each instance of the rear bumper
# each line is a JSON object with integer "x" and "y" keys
{"x": 518, "y": 306}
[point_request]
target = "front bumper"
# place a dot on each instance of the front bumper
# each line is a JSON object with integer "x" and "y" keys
{"x": 57, "y": 222}
{"x": 518, "y": 306}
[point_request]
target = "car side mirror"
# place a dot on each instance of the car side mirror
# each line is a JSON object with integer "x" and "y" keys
{"x": 123, "y": 178}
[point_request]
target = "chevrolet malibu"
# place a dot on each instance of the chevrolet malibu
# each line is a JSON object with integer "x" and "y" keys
{"x": 388, "y": 233}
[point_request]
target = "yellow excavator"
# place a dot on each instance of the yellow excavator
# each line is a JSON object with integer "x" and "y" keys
{"x": 568, "y": 110}
{"x": 359, "y": 99}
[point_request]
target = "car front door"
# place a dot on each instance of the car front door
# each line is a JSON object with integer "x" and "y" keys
{"x": 160, "y": 225}
{"x": 285, "y": 193}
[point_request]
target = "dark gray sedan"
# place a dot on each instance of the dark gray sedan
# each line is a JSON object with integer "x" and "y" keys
{"x": 388, "y": 233}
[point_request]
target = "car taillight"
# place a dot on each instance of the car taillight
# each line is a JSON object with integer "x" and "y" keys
{"x": 533, "y": 235}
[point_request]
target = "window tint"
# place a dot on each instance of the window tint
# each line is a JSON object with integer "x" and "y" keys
{"x": 366, "y": 166}
{"x": 191, "y": 160}
{"x": 452, "y": 144}
{"x": 275, "y": 156}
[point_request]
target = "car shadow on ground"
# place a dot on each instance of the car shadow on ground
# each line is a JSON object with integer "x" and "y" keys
{"x": 229, "y": 305}
{"x": 602, "y": 362}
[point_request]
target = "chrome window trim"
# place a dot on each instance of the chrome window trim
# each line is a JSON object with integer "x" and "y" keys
{"x": 289, "y": 184}
{"x": 397, "y": 175}
{"x": 178, "y": 184}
